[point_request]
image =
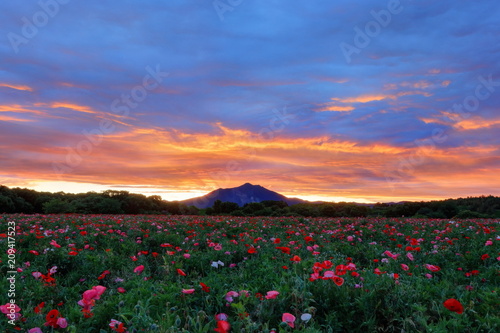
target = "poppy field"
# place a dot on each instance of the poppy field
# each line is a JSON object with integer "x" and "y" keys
{"x": 153, "y": 273}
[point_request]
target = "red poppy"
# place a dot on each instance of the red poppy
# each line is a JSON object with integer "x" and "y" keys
{"x": 252, "y": 250}
{"x": 180, "y": 272}
{"x": 117, "y": 326}
{"x": 338, "y": 280}
{"x": 295, "y": 259}
{"x": 103, "y": 275}
{"x": 340, "y": 270}
{"x": 87, "y": 313}
{"x": 454, "y": 305}
{"x": 120, "y": 328}
{"x": 48, "y": 280}
{"x": 39, "y": 307}
{"x": 205, "y": 287}
{"x": 51, "y": 318}
{"x": 283, "y": 249}
{"x": 222, "y": 326}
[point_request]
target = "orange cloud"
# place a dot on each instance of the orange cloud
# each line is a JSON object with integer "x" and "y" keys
{"x": 476, "y": 123}
{"x": 379, "y": 97}
{"x": 335, "y": 108}
{"x": 159, "y": 160}
{"x": 9, "y": 118}
{"x": 17, "y": 108}
{"x": 434, "y": 121}
{"x": 16, "y": 87}
{"x": 75, "y": 107}
{"x": 364, "y": 98}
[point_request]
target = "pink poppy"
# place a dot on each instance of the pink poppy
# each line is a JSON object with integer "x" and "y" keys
{"x": 229, "y": 296}
{"x": 62, "y": 322}
{"x": 187, "y": 291}
{"x": 139, "y": 269}
{"x": 391, "y": 255}
{"x": 221, "y": 316}
{"x": 54, "y": 243}
{"x": 328, "y": 275}
{"x": 272, "y": 294}
{"x": 35, "y": 330}
{"x": 8, "y": 308}
{"x": 432, "y": 268}
{"x": 289, "y": 319}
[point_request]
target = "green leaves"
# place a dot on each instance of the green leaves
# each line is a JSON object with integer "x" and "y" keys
{"x": 390, "y": 299}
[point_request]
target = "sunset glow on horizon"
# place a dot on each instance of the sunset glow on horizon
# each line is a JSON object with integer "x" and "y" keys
{"x": 178, "y": 99}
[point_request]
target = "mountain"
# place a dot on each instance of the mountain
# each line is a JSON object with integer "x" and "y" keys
{"x": 241, "y": 195}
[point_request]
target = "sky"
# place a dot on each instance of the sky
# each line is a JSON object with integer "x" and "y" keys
{"x": 365, "y": 101}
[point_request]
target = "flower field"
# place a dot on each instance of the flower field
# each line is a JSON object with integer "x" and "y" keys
{"x": 144, "y": 273}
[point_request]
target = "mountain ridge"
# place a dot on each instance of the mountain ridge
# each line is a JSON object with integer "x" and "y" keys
{"x": 241, "y": 195}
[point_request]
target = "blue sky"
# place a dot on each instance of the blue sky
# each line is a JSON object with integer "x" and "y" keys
{"x": 256, "y": 91}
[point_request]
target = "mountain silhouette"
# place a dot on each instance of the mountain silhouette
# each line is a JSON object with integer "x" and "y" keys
{"x": 240, "y": 195}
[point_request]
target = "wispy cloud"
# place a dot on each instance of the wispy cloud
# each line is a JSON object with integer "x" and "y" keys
{"x": 16, "y": 86}
{"x": 209, "y": 119}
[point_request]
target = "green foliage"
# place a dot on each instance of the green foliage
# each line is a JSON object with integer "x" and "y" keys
{"x": 467, "y": 214}
{"x": 57, "y": 206}
{"x": 153, "y": 300}
{"x": 19, "y": 200}
{"x": 27, "y": 201}
{"x": 6, "y": 204}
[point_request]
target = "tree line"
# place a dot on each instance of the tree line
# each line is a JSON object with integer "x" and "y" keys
{"x": 470, "y": 207}
{"x": 19, "y": 200}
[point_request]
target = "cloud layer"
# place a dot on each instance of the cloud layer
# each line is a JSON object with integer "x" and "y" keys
{"x": 183, "y": 97}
